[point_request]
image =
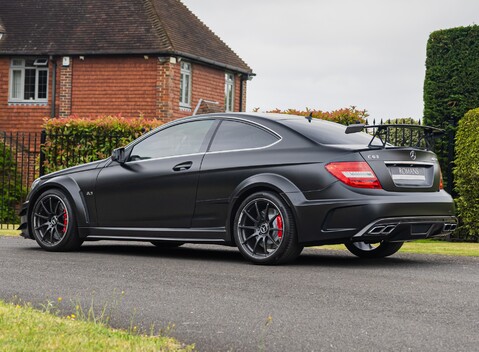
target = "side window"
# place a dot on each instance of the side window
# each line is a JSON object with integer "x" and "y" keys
{"x": 233, "y": 135}
{"x": 186, "y": 138}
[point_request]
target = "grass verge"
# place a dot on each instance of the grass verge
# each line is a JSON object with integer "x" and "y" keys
{"x": 431, "y": 247}
{"x": 9, "y": 232}
{"x": 23, "y": 328}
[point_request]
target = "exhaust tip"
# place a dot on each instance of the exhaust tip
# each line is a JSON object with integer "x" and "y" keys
{"x": 382, "y": 230}
{"x": 449, "y": 227}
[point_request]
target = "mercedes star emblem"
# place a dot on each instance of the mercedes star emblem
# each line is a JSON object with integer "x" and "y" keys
{"x": 412, "y": 154}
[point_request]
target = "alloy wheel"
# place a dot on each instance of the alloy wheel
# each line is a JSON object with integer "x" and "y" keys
{"x": 50, "y": 219}
{"x": 366, "y": 246}
{"x": 260, "y": 228}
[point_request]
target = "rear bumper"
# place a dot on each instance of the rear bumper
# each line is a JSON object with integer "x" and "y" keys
{"x": 344, "y": 214}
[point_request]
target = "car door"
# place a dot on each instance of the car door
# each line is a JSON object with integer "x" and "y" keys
{"x": 238, "y": 150}
{"x": 156, "y": 187}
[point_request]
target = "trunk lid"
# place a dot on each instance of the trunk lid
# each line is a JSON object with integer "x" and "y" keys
{"x": 404, "y": 169}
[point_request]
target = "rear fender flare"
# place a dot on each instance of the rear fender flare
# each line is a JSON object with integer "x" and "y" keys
{"x": 280, "y": 184}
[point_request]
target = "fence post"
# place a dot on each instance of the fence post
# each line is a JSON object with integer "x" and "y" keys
{"x": 43, "y": 139}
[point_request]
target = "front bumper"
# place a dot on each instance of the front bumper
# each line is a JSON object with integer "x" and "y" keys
{"x": 24, "y": 221}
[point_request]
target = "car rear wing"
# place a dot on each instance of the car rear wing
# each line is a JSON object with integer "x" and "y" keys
{"x": 401, "y": 135}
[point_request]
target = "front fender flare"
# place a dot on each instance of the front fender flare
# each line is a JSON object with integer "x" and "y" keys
{"x": 69, "y": 186}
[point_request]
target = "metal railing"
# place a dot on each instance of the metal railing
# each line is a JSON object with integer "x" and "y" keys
{"x": 24, "y": 156}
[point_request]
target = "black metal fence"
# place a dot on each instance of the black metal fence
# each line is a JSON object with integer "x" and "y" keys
{"x": 19, "y": 160}
{"x": 24, "y": 156}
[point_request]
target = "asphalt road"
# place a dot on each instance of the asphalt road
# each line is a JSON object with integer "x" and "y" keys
{"x": 326, "y": 301}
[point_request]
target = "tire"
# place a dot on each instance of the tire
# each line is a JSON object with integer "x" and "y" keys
{"x": 264, "y": 230}
{"x": 378, "y": 250}
{"x": 166, "y": 244}
{"x": 53, "y": 222}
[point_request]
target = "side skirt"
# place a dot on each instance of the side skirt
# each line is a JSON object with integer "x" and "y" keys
{"x": 191, "y": 235}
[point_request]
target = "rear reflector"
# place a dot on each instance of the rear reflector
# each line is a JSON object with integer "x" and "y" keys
{"x": 354, "y": 173}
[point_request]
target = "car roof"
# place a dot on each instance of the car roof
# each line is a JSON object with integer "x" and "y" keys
{"x": 266, "y": 116}
{"x": 316, "y": 130}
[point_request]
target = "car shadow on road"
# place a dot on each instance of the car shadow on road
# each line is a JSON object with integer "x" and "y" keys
{"x": 310, "y": 257}
{"x": 329, "y": 258}
{"x": 188, "y": 252}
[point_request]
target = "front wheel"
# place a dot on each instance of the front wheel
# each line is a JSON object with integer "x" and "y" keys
{"x": 264, "y": 230}
{"x": 53, "y": 222}
{"x": 373, "y": 250}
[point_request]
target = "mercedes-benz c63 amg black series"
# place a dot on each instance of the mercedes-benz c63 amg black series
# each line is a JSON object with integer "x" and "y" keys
{"x": 268, "y": 184}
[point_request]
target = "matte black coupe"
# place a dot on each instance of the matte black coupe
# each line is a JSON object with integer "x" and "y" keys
{"x": 268, "y": 184}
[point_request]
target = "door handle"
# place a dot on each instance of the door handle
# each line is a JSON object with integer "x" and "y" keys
{"x": 183, "y": 166}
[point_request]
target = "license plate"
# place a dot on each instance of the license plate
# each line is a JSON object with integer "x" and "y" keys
{"x": 408, "y": 174}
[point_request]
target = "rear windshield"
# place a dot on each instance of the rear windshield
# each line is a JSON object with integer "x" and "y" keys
{"x": 326, "y": 132}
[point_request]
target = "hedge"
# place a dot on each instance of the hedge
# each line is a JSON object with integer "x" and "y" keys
{"x": 11, "y": 192}
{"x": 451, "y": 86}
{"x": 466, "y": 174}
{"x": 72, "y": 141}
{"x": 346, "y": 116}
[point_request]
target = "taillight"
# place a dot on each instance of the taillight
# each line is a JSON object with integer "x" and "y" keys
{"x": 441, "y": 182}
{"x": 354, "y": 173}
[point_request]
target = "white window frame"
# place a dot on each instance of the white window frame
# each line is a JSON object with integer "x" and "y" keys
{"x": 229, "y": 100}
{"x": 185, "y": 89}
{"x": 40, "y": 65}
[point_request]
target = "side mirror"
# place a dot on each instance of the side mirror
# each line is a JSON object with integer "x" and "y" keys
{"x": 118, "y": 155}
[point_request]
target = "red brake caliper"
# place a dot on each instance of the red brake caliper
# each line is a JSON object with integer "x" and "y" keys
{"x": 65, "y": 220}
{"x": 279, "y": 224}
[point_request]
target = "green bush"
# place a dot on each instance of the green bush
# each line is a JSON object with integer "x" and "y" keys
{"x": 466, "y": 174}
{"x": 12, "y": 191}
{"x": 346, "y": 116}
{"x": 451, "y": 86}
{"x": 72, "y": 141}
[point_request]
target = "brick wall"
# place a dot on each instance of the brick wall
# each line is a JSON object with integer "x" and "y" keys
{"x": 65, "y": 89}
{"x": 164, "y": 89}
{"x": 208, "y": 83}
{"x": 114, "y": 85}
{"x": 131, "y": 86}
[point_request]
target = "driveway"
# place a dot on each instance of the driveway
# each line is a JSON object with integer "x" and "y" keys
{"x": 326, "y": 301}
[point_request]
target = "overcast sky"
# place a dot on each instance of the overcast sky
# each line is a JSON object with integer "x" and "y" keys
{"x": 330, "y": 54}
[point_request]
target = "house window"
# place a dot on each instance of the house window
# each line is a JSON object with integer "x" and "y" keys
{"x": 229, "y": 92}
{"x": 29, "y": 80}
{"x": 185, "y": 84}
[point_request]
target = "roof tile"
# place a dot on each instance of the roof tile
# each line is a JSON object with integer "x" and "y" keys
{"x": 72, "y": 27}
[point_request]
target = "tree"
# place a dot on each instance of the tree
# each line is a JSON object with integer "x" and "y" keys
{"x": 451, "y": 86}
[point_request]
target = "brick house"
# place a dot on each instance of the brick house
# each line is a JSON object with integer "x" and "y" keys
{"x": 153, "y": 58}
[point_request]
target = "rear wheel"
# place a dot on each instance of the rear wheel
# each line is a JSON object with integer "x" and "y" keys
{"x": 53, "y": 222}
{"x": 264, "y": 230}
{"x": 373, "y": 250}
